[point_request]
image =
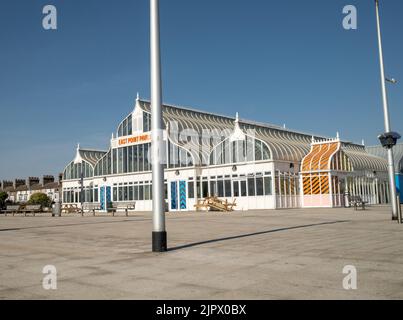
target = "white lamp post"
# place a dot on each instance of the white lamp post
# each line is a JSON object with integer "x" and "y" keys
{"x": 159, "y": 235}
{"x": 391, "y": 169}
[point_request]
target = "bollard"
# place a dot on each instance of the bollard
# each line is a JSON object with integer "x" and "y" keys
{"x": 56, "y": 209}
{"x": 399, "y": 210}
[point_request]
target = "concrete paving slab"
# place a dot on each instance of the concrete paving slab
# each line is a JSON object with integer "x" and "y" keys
{"x": 284, "y": 254}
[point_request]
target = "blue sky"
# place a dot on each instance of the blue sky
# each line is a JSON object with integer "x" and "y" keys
{"x": 279, "y": 62}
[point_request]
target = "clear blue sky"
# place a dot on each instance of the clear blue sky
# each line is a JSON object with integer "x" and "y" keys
{"x": 286, "y": 61}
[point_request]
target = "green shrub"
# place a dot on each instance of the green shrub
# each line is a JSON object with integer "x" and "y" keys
{"x": 3, "y": 198}
{"x": 40, "y": 198}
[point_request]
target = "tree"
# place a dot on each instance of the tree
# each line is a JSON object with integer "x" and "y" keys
{"x": 40, "y": 198}
{"x": 3, "y": 198}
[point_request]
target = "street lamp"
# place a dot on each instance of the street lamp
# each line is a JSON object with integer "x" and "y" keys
{"x": 389, "y": 138}
{"x": 392, "y": 80}
{"x": 159, "y": 234}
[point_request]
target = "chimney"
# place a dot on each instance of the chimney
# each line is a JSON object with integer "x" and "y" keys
{"x": 32, "y": 181}
{"x": 19, "y": 183}
{"x": 47, "y": 179}
{"x": 7, "y": 184}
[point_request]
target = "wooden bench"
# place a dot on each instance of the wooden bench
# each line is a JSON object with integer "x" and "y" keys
{"x": 31, "y": 208}
{"x": 215, "y": 204}
{"x": 357, "y": 202}
{"x": 12, "y": 209}
{"x": 126, "y": 206}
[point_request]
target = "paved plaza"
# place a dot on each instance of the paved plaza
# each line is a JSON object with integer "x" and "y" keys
{"x": 283, "y": 254}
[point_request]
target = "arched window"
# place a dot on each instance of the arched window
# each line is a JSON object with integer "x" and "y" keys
{"x": 74, "y": 171}
{"x": 104, "y": 165}
{"x": 247, "y": 150}
{"x": 126, "y": 127}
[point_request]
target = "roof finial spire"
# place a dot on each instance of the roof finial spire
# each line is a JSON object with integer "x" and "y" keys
{"x": 363, "y": 142}
{"x": 78, "y": 146}
{"x": 337, "y": 135}
{"x": 138, "y": 97}
{"x": 237, "y": 117}
{"x": 112, "y": 136}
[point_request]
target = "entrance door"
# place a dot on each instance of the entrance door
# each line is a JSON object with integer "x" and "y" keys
{"x": 102, "y": 198}
{"x": 108, "y": 196}
{"x": 174, "y": 195}
{"x": 182, "y": 194}
{"x": 178, "y": 195}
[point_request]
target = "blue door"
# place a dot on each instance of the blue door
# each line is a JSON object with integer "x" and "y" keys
{"x": 108, "y": 196}
{"x": 102, "y": 198}
{"x": 399, "y": 186}
{"x": 182, "y": 194}
{"x": 174, "y": 195}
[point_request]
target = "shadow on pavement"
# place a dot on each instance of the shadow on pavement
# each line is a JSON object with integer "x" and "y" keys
{"x": 253, "y": 234}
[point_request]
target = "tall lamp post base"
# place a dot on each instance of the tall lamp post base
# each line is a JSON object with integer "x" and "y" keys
{"x": 160, "y": 241}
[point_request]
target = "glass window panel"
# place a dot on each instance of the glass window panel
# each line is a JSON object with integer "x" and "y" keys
{"x": 114, "y": 161}
{"x": 243, "y": 188}
{"x": 250, "y": 149}
{"x": 141, "y": 192}
{"x": 258, "y": 150}
{"x": 267, "y": 186}
{"x": 125, "y": 194}
{"x": 266, "y": 152}
{"x": 136, "y": 158}
{"x": 147, "y": 192}
{"x": 141, "y": 157}
{"x": 136, "y": 193}
{"x": 259, "y": 186}
{"x": 120, "y": 193}
{"x": 198, "y": 189}
{"x": 125, "y": 160}
{"x": 236, "y": 188}
{"x": 227, "y": 187}
{"x": 115, "y": 194}
{"x": 191, "y": 191}
{"x": 129, "y": 125}
{"x": 220, "y": 187}
{"x": 120, "y": 160}
{"x": 213, "y": 188}
{"x": 251, "y": 187}
{"x": 146, "y": 163}
{"x": 205, "y": 189}
{"x": 130, "y": 159}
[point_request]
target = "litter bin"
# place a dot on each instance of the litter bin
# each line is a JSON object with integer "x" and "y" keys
{"x": 347, "y": 199}
{"x": 56, "y": 209}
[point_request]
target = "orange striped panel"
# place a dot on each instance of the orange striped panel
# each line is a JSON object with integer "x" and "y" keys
{"x": 316, "y": 158}
{"x": 307, "y": 184}
{"x": 324, "y": 160}
{"x": 315, "y": 184}
{"x": 324, "y": 184}
{"x": 306, "y": 163}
